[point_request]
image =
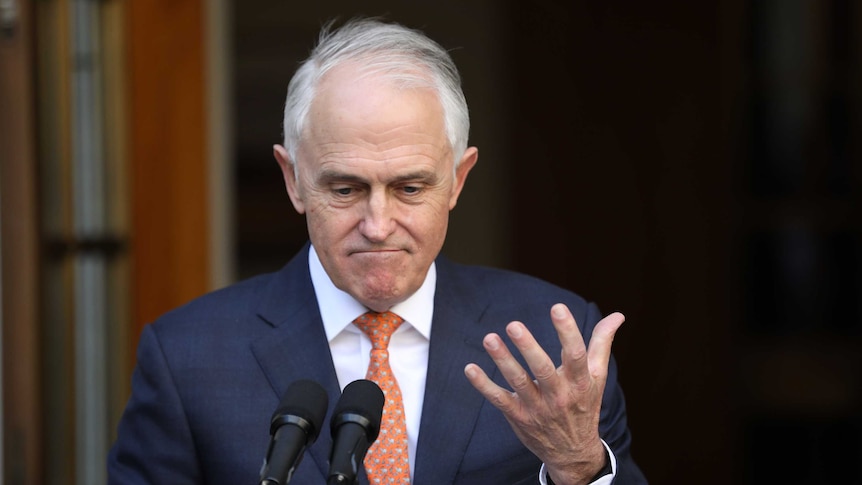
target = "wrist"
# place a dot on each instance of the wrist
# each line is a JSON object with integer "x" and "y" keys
{"x": 606, "y": 469}
{"x": 584, "y": 474}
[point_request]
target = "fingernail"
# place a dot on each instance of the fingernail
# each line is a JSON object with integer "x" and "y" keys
{"x": 515, "y": 330}
{"x": 558, "y": 311}
{"x": 491, "y": 342}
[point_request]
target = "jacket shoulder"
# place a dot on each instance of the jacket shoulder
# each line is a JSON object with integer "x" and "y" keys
{"x": 236, "y": 299}
{"x": 512, "y": 292}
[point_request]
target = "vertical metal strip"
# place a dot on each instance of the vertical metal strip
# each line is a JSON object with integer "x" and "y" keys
{"x": 91, "y": 427}
{"x": 90, "y": 376}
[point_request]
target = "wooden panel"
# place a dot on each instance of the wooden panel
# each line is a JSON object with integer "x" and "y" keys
{"x": 21, "y": 397}
{"x": 54, "y": 147}
{"x": 113, "y": 28}
{"x": 167, "y": 155}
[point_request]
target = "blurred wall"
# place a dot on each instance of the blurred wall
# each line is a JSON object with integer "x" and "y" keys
{"x": 627, "y": 189}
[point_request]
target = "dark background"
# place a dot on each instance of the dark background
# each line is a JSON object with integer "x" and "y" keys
{"x": 695, "y": 165}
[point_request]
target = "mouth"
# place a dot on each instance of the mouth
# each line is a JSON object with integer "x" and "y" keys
{"x": 372, "y": 252}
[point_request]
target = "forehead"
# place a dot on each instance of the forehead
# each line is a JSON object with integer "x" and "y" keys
{"x": 350, "y": 101}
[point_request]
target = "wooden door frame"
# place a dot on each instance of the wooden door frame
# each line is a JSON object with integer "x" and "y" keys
{"x": 168, "y": 156}
{"x": 21, "y": 428}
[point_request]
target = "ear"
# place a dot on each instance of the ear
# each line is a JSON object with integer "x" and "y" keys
{"x": 468, "y": 161}
{"x": 290, "y": 182}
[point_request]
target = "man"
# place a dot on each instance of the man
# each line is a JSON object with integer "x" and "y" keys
{"x": 375, "y": 155}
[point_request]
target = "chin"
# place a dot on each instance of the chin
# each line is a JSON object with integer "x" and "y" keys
{"x": 380, "y": 299}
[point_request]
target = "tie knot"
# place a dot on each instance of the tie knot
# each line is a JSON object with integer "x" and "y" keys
{"x": 379, "y": 327}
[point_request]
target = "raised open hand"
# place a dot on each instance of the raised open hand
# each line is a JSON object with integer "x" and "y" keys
{"x": 554, "y": 412}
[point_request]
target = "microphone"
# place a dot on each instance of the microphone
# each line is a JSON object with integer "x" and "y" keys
{"x": 355, "y": 425}
{"x": 295, "y": 425}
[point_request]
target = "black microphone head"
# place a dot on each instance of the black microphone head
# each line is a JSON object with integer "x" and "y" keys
{"x": 360, "y": 399}
{"x": 305, "y": 400}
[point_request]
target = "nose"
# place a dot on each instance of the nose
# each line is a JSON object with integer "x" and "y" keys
{"x": 378, "y": 221}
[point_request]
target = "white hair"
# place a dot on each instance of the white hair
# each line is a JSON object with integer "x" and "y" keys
{"x": 404, "y": 56}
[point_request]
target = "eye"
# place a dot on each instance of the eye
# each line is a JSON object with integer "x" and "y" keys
{"x": 411, "y": 189}
{"x": 343, "y": 190}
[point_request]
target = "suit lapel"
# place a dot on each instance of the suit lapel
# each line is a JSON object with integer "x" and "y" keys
{"x": 297, "y": 347}
{"x": 451, "y": 406}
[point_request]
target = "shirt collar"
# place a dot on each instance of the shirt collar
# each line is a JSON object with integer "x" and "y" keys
{"x": 341, "y": 309}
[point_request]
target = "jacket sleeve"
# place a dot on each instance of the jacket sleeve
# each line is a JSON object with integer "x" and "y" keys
{"x": 154, "y": 443}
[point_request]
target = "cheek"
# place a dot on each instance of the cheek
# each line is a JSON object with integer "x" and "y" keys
{"x": 329, "y": 224}
{"x": 428, "y": 226}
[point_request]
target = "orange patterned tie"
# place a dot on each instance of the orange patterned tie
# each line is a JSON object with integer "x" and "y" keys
{"x": 386, "y": 462}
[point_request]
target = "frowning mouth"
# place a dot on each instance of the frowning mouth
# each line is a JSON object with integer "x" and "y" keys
{"x": 381, "y": 252}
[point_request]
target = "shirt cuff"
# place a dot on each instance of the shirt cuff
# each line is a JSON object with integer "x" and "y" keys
{"x": 605, "y": 480}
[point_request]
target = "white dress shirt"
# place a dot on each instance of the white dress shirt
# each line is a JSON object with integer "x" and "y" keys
{"x": 408, "y": 346}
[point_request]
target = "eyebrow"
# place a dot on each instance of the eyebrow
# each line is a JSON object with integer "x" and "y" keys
{"x": 330, "y": 176}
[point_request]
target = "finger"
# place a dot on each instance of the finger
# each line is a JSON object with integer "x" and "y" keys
{"x": 540, "y": 364}
{"x": 510, "y": 368}
{"x": 496, "y": 395}
{"x": 599, "y": 354}
{"x": 574, "y": 354}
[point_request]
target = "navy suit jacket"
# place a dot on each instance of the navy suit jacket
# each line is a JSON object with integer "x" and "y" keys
{"x": 210, "y": 374}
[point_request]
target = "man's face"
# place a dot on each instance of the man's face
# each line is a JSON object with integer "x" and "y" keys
{"x": 375, "y": 181}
